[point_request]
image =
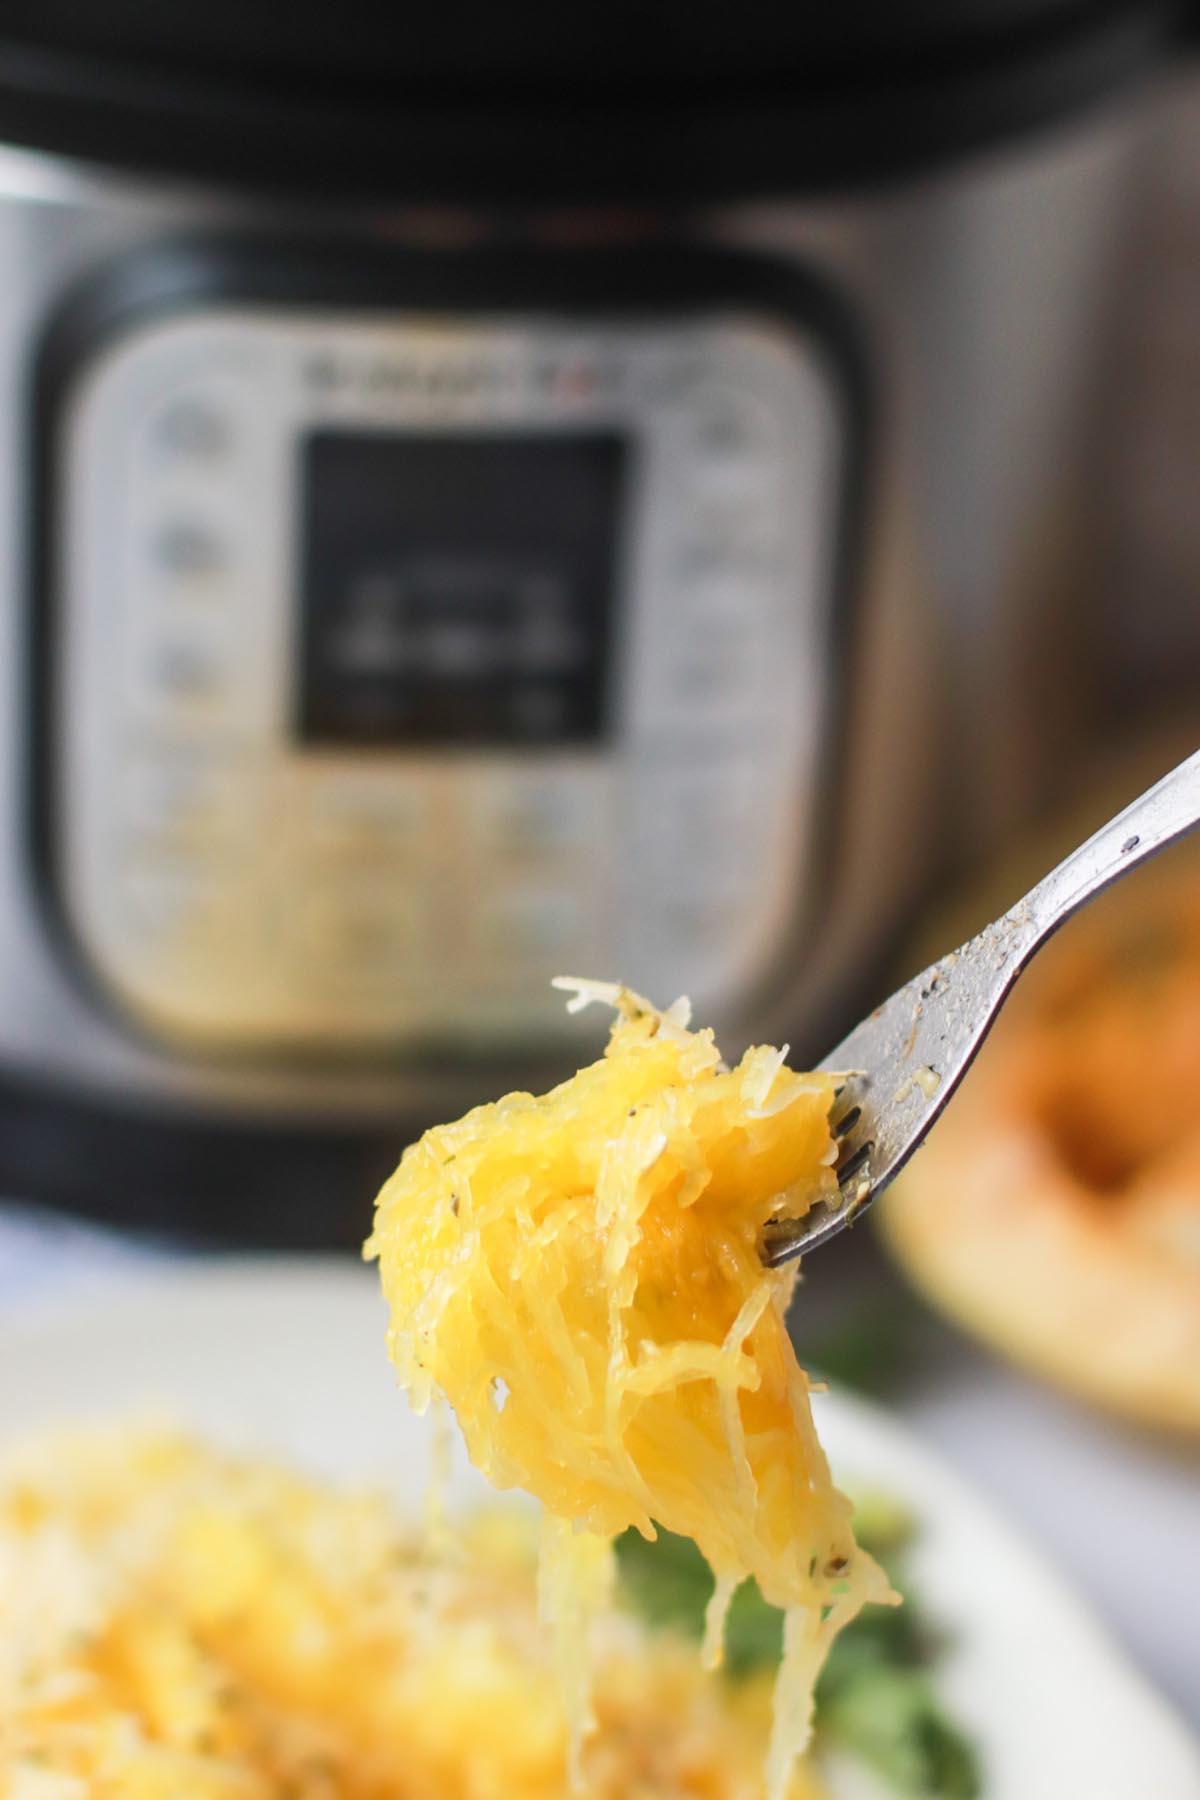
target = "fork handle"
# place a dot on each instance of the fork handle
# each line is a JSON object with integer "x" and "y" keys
{"x": 936, "y": 1023}
{"x": 1155, "y": 819}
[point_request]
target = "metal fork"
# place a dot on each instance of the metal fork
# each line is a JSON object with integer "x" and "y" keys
{"x": 903, "y": 1063}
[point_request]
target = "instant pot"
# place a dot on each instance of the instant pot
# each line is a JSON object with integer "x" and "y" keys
{"x": 480, "y": 501}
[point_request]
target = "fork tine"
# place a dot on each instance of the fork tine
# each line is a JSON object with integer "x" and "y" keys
{"x": 853, "y": 1165}
{"x": 847, "y": 1122}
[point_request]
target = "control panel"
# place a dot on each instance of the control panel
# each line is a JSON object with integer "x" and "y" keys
{"x": 401, "y": 661}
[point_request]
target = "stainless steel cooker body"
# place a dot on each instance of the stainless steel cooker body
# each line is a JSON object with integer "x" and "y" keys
{"x": 302, "y": 798}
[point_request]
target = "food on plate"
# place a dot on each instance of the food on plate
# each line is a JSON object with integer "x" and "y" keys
{"x": 180, "y": 1625}
{"x": 1056, "y": 1208}
{"x": 578, "y": 1275}
{"x": 177, "y": 1623}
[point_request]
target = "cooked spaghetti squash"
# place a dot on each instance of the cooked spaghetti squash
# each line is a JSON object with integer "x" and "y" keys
{"x": 179, "y": 1624}
{"x": 579, "y": 1276}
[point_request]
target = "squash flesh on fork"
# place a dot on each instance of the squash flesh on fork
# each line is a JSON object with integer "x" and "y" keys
{"x": 579, "y": 1276}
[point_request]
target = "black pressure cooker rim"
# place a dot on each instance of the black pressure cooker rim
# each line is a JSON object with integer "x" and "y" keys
{"x": 656, "y": 104}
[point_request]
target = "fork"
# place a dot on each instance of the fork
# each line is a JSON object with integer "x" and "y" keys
{"x": 901, "y": 1065}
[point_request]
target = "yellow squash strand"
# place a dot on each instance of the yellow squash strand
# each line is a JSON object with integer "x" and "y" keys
{"x": 579, "y": 1276}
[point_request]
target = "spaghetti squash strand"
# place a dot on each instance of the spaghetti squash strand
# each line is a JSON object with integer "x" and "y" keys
{"x": 601, "y": 1272}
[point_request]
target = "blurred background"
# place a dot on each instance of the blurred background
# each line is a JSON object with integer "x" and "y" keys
{"x": 709, "y": 499}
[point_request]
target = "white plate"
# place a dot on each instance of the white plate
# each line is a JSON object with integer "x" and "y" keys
{"x": 289, "y": 1358}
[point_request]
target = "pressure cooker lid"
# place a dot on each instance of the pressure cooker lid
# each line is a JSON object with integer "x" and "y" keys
{"x": 604, "y": 99}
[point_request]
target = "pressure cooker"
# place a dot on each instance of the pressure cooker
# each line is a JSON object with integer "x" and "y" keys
{"x": 483, "y": 498}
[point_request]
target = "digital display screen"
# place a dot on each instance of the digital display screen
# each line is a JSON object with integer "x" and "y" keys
{"x": 458, "y": 589}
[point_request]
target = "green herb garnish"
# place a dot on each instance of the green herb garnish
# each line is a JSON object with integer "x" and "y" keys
{"x": 875, "y": 1696}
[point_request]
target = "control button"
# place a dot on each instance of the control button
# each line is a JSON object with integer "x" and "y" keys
{"x": 727, "y": 534}
{"x": 722, "y": 431}
{"x": 179, "y": 671}
{"x": 188, "y": 549}
{"x": 724, "y": 665}
{"x": 360, "y": 932}
{"x": 185, "y": 671}
{"x": 723, "y": 515}
{"x": 191, "y": 426}
{"x": 711, "y": 673}
{"x": 321, "y": 371}
{"x": 176, "y": 794}
{"x": 364, "y": 813}
{"x": 536, "y": 815}
{"x": 703, "y": 557}
{"x": 735, "y": 461}
{"x": 162, "y": 900}
{"x": 712, "y": 877}
{"x": 535, "y": 926}
{"x": 727, "y": 428}
{"x": 701, "y": 830}
{"x": 692, "y": 693}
